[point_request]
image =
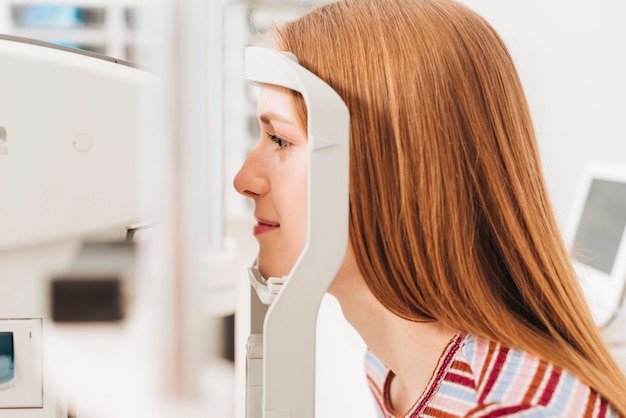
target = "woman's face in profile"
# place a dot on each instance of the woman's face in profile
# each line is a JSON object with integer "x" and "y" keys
{"x": 274, "y": 176}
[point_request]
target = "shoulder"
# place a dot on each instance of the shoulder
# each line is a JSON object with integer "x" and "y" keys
{"x": 514, "y": 382}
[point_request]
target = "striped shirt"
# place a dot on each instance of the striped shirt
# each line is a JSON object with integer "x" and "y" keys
{"x": 479, "y": 378}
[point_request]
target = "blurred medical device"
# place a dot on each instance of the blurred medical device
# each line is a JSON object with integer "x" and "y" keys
{"x": 597, "y": 236}
{"x": 94, "y": 153}
{"x": 70, "y": 136}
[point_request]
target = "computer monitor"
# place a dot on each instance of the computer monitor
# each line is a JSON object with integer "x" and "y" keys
{"x": 597, "y": 238}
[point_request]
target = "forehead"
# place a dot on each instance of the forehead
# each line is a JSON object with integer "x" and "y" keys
{"x": 276, "y": 105}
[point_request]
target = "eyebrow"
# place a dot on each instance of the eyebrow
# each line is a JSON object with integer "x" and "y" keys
{"x": 268, "y": 117}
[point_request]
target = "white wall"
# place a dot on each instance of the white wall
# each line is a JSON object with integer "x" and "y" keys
{"x": 571, "y": 57}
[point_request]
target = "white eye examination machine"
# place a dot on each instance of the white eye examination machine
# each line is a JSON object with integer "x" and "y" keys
{"x": 281, "y": 361}
{"x": 70, "y": 134}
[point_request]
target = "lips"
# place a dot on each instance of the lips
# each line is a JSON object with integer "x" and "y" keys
{"x": 263, "y": 226}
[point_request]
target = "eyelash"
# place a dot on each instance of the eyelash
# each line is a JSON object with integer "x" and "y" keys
{"x": 278, "y": 141}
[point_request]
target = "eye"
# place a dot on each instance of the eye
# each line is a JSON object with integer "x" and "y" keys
{"x": 278, "y": 141}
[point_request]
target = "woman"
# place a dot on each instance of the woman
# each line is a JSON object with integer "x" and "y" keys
{"x": 456, "y": 276}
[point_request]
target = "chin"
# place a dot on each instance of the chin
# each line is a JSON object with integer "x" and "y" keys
{"x": 269, "y": 269}
{"x": 275, "y": 264}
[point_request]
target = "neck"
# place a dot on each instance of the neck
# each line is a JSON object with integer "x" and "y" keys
{"x": 410, "y": 349}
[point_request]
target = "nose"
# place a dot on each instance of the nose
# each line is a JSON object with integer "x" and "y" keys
{"x": 251, "y": 180}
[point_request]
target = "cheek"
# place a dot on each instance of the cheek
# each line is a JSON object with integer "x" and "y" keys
{"x": 292, "y": 202}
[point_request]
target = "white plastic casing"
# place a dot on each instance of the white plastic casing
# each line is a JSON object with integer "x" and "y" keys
{"x": 604, "y": 291}
{"x": 69, "y": 149}
{"x": 290, "y": 323}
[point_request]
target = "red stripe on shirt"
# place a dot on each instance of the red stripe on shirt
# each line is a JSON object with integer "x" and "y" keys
{"x": 506, "y": 411}
{"x": 461, "y": 380}
{"x": 494, "y": 373}
{"x": 550, "y": 388}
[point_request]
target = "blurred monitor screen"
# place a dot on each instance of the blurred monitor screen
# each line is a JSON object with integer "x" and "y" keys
{"x": 601, "y": 226}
